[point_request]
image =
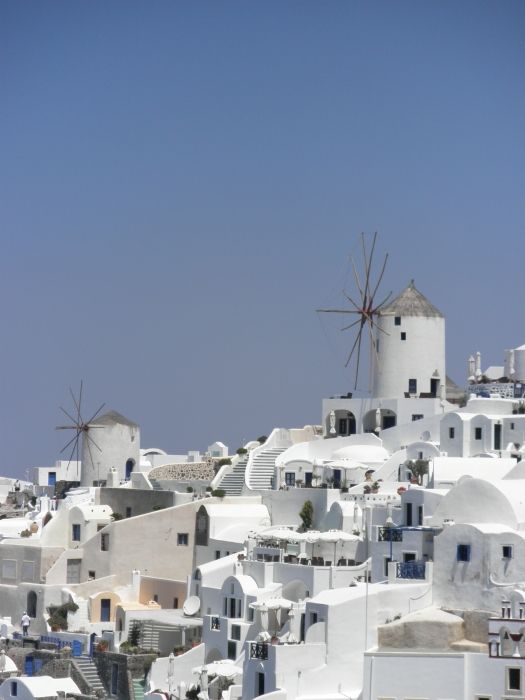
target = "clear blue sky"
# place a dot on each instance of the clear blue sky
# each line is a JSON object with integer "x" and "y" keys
{"x": 181, "y": 184}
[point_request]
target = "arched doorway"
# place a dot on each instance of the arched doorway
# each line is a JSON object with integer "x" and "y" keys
{"x": 130, "y": 464}
{"x": 345, "y": 424}
{"x": 31, "y": 604}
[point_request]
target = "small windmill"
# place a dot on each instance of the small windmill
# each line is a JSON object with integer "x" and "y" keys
{"x": 82, "y": 428}
{"x": 366, "y": 309}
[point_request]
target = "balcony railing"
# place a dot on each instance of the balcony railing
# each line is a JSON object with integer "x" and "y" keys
{"x": 259, "y": 650}
{"x": 215, "y": 623}
{"x": 410, "y": 570}
{"x": 389, "y": 534}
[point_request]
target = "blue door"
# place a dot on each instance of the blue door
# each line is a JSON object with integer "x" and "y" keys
{"x": 105, "y": 609}
{"x": 51, "y": 478}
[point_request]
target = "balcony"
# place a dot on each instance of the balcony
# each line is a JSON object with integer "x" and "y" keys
{"x": 259, "y": 650}
{"x": 411, "y": 570}
{"x": 389, "y": 534}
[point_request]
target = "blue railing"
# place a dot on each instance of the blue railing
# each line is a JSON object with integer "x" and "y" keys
{"x": 411, "y": 570}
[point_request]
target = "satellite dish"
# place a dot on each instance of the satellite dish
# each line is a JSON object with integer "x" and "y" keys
{"x": 191, "y": 606}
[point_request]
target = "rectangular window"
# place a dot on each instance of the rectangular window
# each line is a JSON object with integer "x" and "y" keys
{"x": 463, "y": 552}
{"x": 217, "y": 554}
{"x": 128, "y": 511}
{"x": 250, "y": 614}
{"x": 9, "y": 569}
{"x": 175, "y": 603}
{"x": 512, "y": 426}
{"x": 104, "y": 542}
{"x": 478, "y": 433}
{"x": 28, "y": 571}
{"x": 403, "y": 335}
{"x": 387, "y": 561}
{"x": 236, "y": 632}
{"x": 232, "y": 650}
{"x": 514, "y": 679}
{"x": 451, "y": 433}
{"x": 417, "y": 416}
{"x": 408, "y": 514}
{"x": 289, "y": 478}
{"x": 397, "y": 320}
{"x": 75, "y": 534}
{"x": 420, "y": 515}
{"x": 506, "y": 551}
{"x": 14, "y": 688}
{"x": 182, "y": 539}
{"x": 412, "y": 386}
{"x": 92, "y": 575}
{"x": 313, "y": 618}
{"x": 343, "y": 426}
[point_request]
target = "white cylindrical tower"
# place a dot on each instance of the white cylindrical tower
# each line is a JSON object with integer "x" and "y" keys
{"x": 410, "y": 358}
{"x": 119, "y": 441}
{"x": 519, "y": 364}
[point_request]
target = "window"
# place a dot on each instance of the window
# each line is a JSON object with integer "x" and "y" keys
{"x": 182, "y": 539}
{"x": 28, "y": 571}
{"x": 104, "y": 542}
{"x": 289, "y": 478}
{"x": 232, "y": 650}
{"x": 477, "y": 433}
{"x": 175, "y": 603}
{"x": 514, "y": 679}
{"x": 9, "y": 569}
{"x": 75, "y": 534}
{"x": 408, "y": 514}
{"x": 412, "y": 386}
{"x": 250, "y": 614}
{"x": 417, "y": 416}
{"x": 92, "y": 575}
{"x": 236, "y": 632}
{"x": 506, "y": 551}
{"x": 451, "y": 433}
{"x": 14, "y": 688}
{"x": 313, "y": 618}
{"x": 403, "y": 336}
{"x": 387, "y": 561}
{"x": 420, "y": 515}
{"x": 128, "y": 511}
{"x": 217, "y": 554}
{"x": 397, "y": 320}
{"x": 343, "y": 426}
{"x": 512, "y": 426}
{"x": 155, "y": 597}
{"x": 463, "y": 552}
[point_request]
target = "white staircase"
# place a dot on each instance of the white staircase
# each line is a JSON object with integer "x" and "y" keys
{"x": 232, "y": 482}
{"x": 262, "y": 468}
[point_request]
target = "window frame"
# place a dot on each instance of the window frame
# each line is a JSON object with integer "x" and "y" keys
{"x": 75, "y": 532}
{"x": 183, "y": 539}
{"x": 465, "y": 550}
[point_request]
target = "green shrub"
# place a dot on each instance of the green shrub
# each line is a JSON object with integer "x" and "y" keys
{"x": 241, "y": 451}
{"x": 262, "y": 439}
{"x": 219, "y": 493}
{"x": 189, "y": 489}
{"x": 58, "y": 614}
{"x": 225, "y": 460}
{"x": 117, "y": 516}
{"x": 307, "y": 514}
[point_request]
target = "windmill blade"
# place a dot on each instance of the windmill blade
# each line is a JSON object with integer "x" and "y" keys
{"x": 75, "y": 437}
{"x": 358, "y": 356}
{"x": 351, "y": 325}
{"x": 77, "y": 403}
{"x": 368, "y": 263}
{"x": 67, "y": 427}
{"x": 90, "y": 455}
{"x": 382, "y": 303}
{"x": 75, "y": 446}
{"x": 380, "y": 276}
{"x": 336, "y": 311}
{"x": 69, "y": 416}
{"x": 356, "y": 277}
{"x": 374, "y": 355}
{"x": 376, "y": 325}
{"x": 353, "y": 347}
{"x": 80, "y": 399}
{"x": 90, "y": 439}
{"x": 358, "y": 309}
{"x": 96, "y": 413}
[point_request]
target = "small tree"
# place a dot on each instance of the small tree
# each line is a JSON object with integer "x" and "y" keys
{"x": 242, "y": 451}
{"x": 419, "y": 468}
{"x": 262, "y": 439}
{"x": 307, "y": 514}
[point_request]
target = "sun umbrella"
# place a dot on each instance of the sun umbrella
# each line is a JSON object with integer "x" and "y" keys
{"x": 335, "y": 536}
{"x": 223, "y": 668}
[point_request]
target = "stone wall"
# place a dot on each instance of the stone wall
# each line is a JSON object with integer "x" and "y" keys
{"x": 185, "y": 471}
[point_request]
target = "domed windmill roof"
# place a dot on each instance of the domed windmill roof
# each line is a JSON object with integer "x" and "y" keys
{"x": 411, "y": 303}
{"x": 112, "y": 417}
